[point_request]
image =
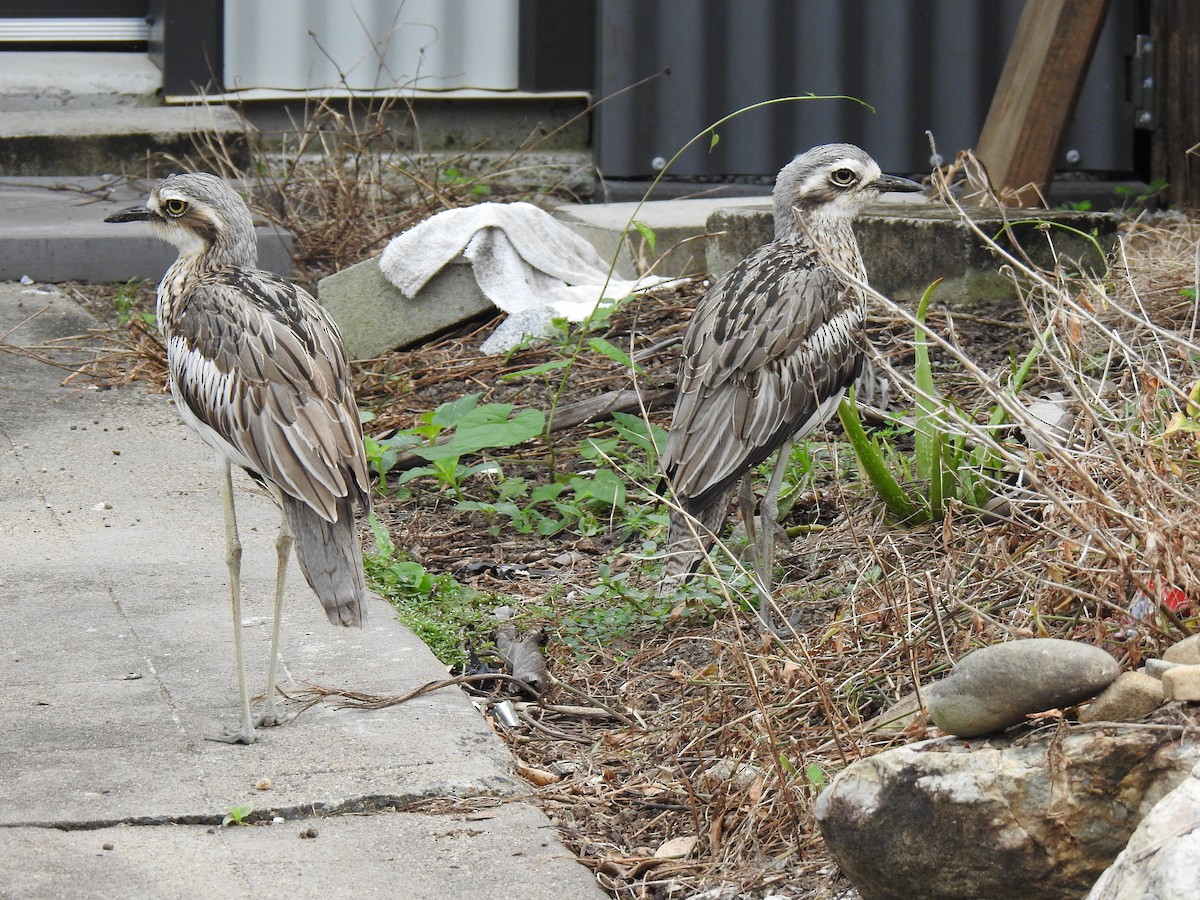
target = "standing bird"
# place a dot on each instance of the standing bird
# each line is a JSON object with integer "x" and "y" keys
{"x": 768, "y": 355}
{"x": 259, "y": 371}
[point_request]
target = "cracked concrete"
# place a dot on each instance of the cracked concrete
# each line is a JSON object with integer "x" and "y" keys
{"x": 117, "y": 658}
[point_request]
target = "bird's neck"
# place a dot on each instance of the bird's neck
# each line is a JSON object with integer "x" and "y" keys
{"x": 831, "y": 234}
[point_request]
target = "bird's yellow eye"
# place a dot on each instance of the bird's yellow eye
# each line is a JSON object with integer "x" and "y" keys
{"x": 842, "y": 177}
{"x": 175, "y": 207}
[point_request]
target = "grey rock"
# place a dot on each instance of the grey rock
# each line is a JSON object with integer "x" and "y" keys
{"x": 1133, "y": 696}
{"x": 1162, "y": 858}
{"x": 997, "y": 686}
{"x": 1030, "y": 817}
{"x": 1186, "y": 651}
{"x": 1155, "y": 667}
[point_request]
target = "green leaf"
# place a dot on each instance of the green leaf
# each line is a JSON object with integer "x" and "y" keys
{"x": 647, "y": 233}
{"x": 537, "y": 370}
{"x": 603, "y": 487}
{"x": 615, "y": 353}
{"x": 451, "y": 413}
{"x": 237, "y": 814}
{"x": 713, "y": 141}
{"x": 893, "y": 496}
{"x": 929, "y": 413}
{"x": 485, "y": 428}
{"x": 546, "y": 492}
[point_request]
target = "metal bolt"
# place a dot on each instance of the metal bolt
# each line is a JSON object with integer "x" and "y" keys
{"x": 1073, "y": 157}
{"x": 1148, "y": 83}
{"x": 658, "y": 164}
{"x": 1145, "y": 118}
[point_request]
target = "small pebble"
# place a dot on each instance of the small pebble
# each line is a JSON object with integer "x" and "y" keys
{"x": 108, "y": 845}
{"x": 264, "y": 784}
{"x": 309, "y": 832}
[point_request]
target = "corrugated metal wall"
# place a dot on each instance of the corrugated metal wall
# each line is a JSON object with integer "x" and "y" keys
{"x": 922, "y": 64}
{"x": 370, "y": 44}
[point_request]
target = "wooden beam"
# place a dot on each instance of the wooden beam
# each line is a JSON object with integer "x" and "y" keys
{"x": 1037, "y": 93}
{"x": 1175, "y": 156}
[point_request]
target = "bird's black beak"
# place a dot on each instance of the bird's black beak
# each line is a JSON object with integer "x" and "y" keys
{"x": 895, "y": 183}
{"x": 133, "y": 214}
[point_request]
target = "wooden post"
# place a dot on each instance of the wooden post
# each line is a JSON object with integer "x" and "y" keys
{"x": 1037, "y": 93}
{"x": 1175, "y": 157}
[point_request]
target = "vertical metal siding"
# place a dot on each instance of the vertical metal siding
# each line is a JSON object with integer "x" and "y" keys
{"x": 371, "y": 44}
{"x": 922, "y": 64}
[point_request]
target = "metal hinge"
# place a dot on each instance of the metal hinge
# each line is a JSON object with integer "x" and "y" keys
{"x": 1141, "y": 74}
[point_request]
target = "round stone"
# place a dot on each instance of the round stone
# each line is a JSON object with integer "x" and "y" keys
{"x": 998, "y": 686}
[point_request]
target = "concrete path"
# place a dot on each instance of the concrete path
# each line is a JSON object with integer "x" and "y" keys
{"x": 116, "y": 658}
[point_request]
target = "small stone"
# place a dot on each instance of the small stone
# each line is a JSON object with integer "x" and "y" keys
{"x": 998, "y": 686}
{"x": 108, "y": 845}
{"x": 1155, "y": 667}
{"x": 740, "y": 774}
{"x": 1182, "y": 683}
{"x": 1186, "y": 651}
{"x": 676, "y": 848}
{"x": 309, "y": 832}
{"x": 1132, "y": 696}
{"x": 263, "y": 784}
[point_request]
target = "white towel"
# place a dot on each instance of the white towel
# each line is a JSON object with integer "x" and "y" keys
{"x": 525, "y": 261}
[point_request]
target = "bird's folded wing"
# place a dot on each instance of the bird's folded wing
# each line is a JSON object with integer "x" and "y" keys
{"x": 271, "y": 378}
{"x": 773, "y": 342}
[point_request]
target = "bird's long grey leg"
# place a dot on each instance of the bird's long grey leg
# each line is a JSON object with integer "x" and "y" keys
{"x": 233, "y": 559}
{"x": 762, "y": 576}
{"x": 770, "y": 503}
{"x": 770, "y": 523}
{"x": 270, "y": 714}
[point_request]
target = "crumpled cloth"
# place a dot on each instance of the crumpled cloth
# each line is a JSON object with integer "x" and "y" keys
{"x": 525, "y": 261}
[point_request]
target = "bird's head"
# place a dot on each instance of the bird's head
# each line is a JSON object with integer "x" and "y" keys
{"x": 832, "y": 181}
{"x": 202, "y": 216}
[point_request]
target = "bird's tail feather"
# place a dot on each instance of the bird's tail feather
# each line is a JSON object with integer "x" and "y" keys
{"x": 330, "y": 558}
{"x": 690, "y": 537}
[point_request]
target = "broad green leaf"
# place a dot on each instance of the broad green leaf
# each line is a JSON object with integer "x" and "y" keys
{"x": 487, "y": 427}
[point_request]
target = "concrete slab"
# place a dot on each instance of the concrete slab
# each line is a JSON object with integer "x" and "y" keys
{"x": 907, "y": 246}
{"x": 375, "y": 316}
{"x": 52, "y": 229}
{"x": 459, "y": 855}
{"x": 680, "y": 228}
{"x": 117, "y": 661}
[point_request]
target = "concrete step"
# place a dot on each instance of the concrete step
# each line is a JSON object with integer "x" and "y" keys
{"x": 125, "y": 140}
{"x": 53, "y": 229}
{"x": 44, "y": 81}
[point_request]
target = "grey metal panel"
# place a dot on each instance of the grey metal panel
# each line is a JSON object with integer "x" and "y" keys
{"x": 370, "y": 44}
{"x": 922, "y": 64}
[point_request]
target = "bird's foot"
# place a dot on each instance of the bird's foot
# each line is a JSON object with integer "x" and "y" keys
{"x": 244, "y": 734}
{"x": 271, "y": 716}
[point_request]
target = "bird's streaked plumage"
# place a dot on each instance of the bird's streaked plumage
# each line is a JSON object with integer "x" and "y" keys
{"x": 259, "y": 371}
{"x": 771, "y": 349}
